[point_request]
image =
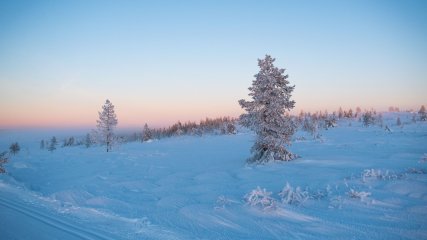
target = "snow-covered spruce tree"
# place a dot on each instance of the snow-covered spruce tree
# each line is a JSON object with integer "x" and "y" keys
{"x": 88, "y": 141}
{"x": 266, "y": 113}
{"x": 146, "y": 133}
{"x": 53, "y": 143}
{"x": 106, "y": 123}
{"x": 14, "y": 148}
{"x": 3, "y": 160}
{"x": 398, "y": 122}
{"x": 423, "y": 113}
{"x": 311, "y": 125}
{"x": 368, "y": 118}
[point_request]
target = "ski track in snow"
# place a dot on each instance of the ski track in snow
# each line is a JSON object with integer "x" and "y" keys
{"x": 53, "y": 221}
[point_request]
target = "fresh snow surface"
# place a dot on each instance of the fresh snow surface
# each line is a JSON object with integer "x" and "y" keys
{"x": 354, "y": 182}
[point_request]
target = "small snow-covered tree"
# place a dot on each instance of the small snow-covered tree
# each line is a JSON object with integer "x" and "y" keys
{"x": 88, "y": 141}
{"x": 311, "y": 125}
{"x": 71, "y": 141}
{"x": 340, "y": 113}
{"x": 267, "y": 113}
{"x": 358, "y": 111}
{"x": 53, "y": 143}
{"x": 42, "y": 144}
{"x": 14, "y": 148}
{"x": 146, "y": 133}
{"x": 3, "y": 160}
{"x": 330, "y": 121}
{"x": 368, "y": 118}
{"x": 423, "y": 113}
{"x": 349, "y": 113}
{"x": 106, "y": 123}
{"x": 231, "y": 129}
{"x": 398, "y": 121}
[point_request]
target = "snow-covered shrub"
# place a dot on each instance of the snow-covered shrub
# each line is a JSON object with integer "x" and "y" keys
{"x": 416, "y": 171}
{"x": 296, "y": 196}
{"x": 336, "y": 202}
{"x": 359, "y": 195}
{"x": 378, "y": 174}
{"x": 424, "y": 158}
{"x": 321, "y": 193}
{"x": 371, "y": 173}
{"x": 261, "y": 199}
{"x": 222, "y": 202}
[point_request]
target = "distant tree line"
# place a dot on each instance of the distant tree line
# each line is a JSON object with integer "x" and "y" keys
{"x": 216, "y": 126}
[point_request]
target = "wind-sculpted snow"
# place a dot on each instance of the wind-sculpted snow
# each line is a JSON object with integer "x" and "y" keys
{"x": 354, "y": 182}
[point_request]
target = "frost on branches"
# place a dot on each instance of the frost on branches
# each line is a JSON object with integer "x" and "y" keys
{"x": 106, "y": 124}
{"x": 266, "y": 113}
{"x": 290, "y": 195}
{"x": 261, "y": 199}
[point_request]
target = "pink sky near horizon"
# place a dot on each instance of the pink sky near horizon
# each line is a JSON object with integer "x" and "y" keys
{"x": 134, "y": 116}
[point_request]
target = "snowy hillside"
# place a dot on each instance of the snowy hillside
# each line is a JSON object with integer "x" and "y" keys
{"x": 354, "y": 182}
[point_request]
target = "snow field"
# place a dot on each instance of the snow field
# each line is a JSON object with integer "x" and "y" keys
{"x": 353, "y": 182}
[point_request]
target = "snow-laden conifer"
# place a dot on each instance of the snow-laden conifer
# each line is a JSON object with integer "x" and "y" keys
{"x": 14, "y": 148}
{"x": 3, "y": 160}
{"x": 53, "y": 143}
{"x": 88, "y": 140}
{"x": 106, "y": 123}
{"x": 267, "y": 113}
{"x": 423, "y": 113}
{"x": 146, "y": 134}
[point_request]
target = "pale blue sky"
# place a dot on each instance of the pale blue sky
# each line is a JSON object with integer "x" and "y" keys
{"x": 163, "y": 61}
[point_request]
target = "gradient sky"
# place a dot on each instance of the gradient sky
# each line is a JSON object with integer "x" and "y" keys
{"x": 163, "y": 61}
